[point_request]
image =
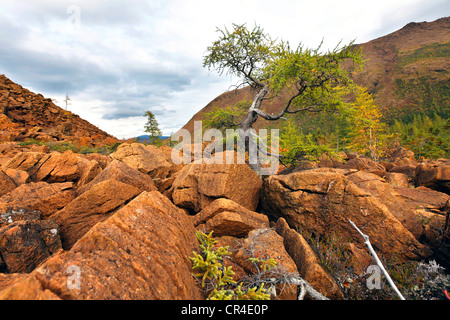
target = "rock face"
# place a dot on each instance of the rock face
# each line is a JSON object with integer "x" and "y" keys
{"x": 92, "y": 207}
{"x": 55, "y": 167}
{"x": 24, "y": 287}
{"x": 141, "y": 252}
{"x": 364, "y": 164}
{"x": 42, "y": 196}
{"x": 121, "y": 172}
{"x": 197, "y": 185}
{"x": 306, "y": 261}
{"x": 226, "y": 217}
{"x": 147, "y": 159}
{"x": 423, "y": 218}
{"x": 265, "y": 244}
{"x": 322, "y": 200}
{"x": 25, "y": 244}
{"x": 434, "y": 174}
{"x": 6, "y": 183}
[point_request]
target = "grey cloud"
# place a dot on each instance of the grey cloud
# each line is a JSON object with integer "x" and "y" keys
{"x": 50, "y": 72}
{"x": 95, "y": 13}
{"x": 132, "y": 108}
{"x": 127, "y": 90}
{"x": 424, "y": 10}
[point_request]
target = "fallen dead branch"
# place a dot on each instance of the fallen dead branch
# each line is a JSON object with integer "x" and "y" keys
{"x": 377, "y": 260}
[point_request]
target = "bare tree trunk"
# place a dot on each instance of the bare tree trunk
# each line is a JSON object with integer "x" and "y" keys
{"x": 246, "y": 125}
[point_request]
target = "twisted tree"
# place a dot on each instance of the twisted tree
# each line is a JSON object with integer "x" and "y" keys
{"x": 311, "y": 79}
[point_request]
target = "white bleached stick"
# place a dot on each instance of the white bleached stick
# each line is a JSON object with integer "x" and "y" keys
{"x": 378, "y": 261}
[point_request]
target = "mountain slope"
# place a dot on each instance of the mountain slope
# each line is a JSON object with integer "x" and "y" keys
{"x": 25, "y": 115}
{"x": 407, "y": 72}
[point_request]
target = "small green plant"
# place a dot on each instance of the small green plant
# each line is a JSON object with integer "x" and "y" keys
{"x": 30, "y": 142}
{"x": 63, "y": 146}
{"x": 218, "y": 279}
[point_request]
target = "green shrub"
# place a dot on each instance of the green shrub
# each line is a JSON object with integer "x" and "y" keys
{"x": 217, "y": 278}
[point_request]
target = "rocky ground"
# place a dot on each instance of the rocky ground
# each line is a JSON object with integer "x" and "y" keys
{"x": 25, "y": 115}
{"x": 123, "y": 226}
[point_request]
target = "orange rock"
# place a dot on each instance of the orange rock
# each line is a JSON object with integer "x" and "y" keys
{"x": 226, "y": 217}
{"x": 147, "y": 159}
{"x": 42, "y": 196}
{"x": 141, "y": 252}
{"x": 6, "y": 183}
{"x": 92, "y": 207}
{"x": 434, "y": 174}
{"x": 26, "y": 244}
{"x": 121, "y": 172}
{"x": 306, "y": 261}
{"x": 397, "y": 179}
{"x": 365, "y": 164}
{"x": 322, "y": 202}
{"x": 18, "y": 176}
{"x": 426, "y": 205}
{"x": 25, "y": 161}
{"x": 267, "y": 244}
{"x": 26, "y": 287}
{"x": 197, "y": 185}
{"x": 55, "y": 166}
{"x": 9, "y": 216}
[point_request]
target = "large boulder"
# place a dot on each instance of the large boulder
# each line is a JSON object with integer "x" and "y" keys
{"x": 197, "y": 185}
{"x": 93, "y": 206}
{"x": 7, "y": 151}
{"x": 433, "y": 209}
{"x": 24, "y": 161}
{"x": 55, "y": 167}
{"x": 26, "y": 244}
{"x": 413, "y": 214}
{"x": 147, "y": 159}
{"x": 226, "y": 217}
{"x": 364, "y": 164}
{"x": 141, "y": 252}
{"x": 321, "y": 201}
{"x": 6, "y": 183}
{"x": 401, "y": 161}
{"x": 24, "y": 287}
{"x": 19, "y": 177}
{"x": 45, "y": 197}
{"x": 397, "y": 179}
{"x": 307, "y": 262}
{"x": 434, "y": 174}
{"x": 266, "y": 244}
{"x": 121, "y": 172}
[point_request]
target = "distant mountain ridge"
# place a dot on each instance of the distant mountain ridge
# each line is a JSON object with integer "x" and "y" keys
{"x": 406, "y": 71}
{"x": 146, "y": 138}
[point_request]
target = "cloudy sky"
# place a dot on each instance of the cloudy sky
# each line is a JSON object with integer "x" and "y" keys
{"x": 117, "y": 59}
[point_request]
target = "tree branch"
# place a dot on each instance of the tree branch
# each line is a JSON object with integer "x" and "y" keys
{"x": 378, "y": 261}
{"x": 305, "y": 287}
